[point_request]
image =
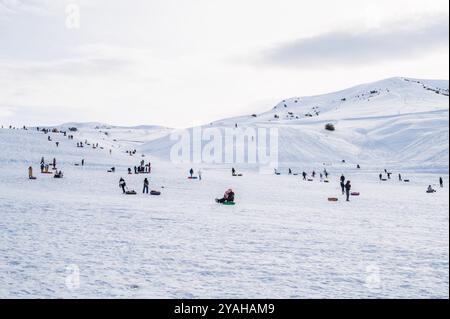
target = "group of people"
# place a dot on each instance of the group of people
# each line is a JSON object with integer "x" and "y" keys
{"x": 199, "y": 173}
{"x": 143, "y": 168}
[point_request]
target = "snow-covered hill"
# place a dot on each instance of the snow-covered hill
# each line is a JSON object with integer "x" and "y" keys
{"x": 394, "y": 122}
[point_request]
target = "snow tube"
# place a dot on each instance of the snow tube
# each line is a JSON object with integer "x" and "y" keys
{"x": 155, "y": 193}
{"x": 326, "y": 181}
{"x": 407, "y": 181}
{"x": 310, "y": 180}
{"x": 130, "y": 193}
{"x": 32, "y": 178}
{"x": 431, "y": 192}
{"x": 229, "y": 203}
{"x": 333, "y": 199}
{"x": 355, "y": 194}
{"x": 193, "y": 177}
{"x": 384, "y": 179}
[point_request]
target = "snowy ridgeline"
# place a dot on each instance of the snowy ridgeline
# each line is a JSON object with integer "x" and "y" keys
{"x": 80, "y": 237}
{"x": 397, "y": 122}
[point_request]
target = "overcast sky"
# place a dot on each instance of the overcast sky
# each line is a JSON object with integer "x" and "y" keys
{"x": 180, "y": 63}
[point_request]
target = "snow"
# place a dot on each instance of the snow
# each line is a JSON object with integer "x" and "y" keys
{"x": 283, "y": 239}
{"x": 403, "y": 125}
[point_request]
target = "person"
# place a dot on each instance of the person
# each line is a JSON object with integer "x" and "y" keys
{"x": 30, "y": 172}
{"x": 233, "y": 171}
{"x": 441, "y": 182}
{"x": 42, "y": 167}
{"x": 358, "y": 166}
{"x": 381, "y": 177}
{"x": 42, "y": 160}
{"x": 82, "y": 162}
{"x": 200, "y": 175}
{"x": 191, "y": 172}
{"x": 321, "y": 177}
{"x": 146, "y": 183}
{"x": 343, "y": 187}
{"x": 54, "y": 163}
{"x": 400, "y": 178}
{"x": 430, "y": 189}
{"x": 227, "y": 197}
{"x": 290, "y": 171}
{"x": 342, "y": 178}
{"x": 57, "y": 144}
{"x": 304, "y": 176}
{"x": 326, "y": 174}
{"x": 59, "y": 174}
{"x": 314, "y": 174}
{"x": 122, "y": 184}
{"x": 389, "y": 175}
{"x": 348, "y": 187}
{"x": 129, "y": 171}
{"x": 135, "y": 170}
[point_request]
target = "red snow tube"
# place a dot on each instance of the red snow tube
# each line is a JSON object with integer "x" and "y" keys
{"x": 355, "y": 194}
{"x": 333, "y": 199}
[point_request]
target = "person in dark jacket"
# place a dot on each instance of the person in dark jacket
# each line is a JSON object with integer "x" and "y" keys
{"x": 227, "y": 197}
{"x": 304, "y": 176}
{"x": 191, "y": 172}
{"x": 122, "y": 185}
{"x": 381, "y": 177}
{"x": 146, "y": 183}
{"x": 348, "y": 188}
{"x": 233, "y": 172}
{"x": 441, "y": 182}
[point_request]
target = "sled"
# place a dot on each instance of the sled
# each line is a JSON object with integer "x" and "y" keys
{"x": 194, "y": 177}
{"x": 225, "y": 203}
{"x": 295, "y": 174}
{"x": 32, "y": 178}
{"x": 333, "y": 199}
{"x": 326, "y": 181}
{"x": 310, "y": 180}
{"x": 155, "y": 193}
{"x": 130, "y": 193}
{"x": 407, "y": 181}
{"x": 431, "y": 192}
{"x": 355, "y": 194}
{"x": 384, "y": 180}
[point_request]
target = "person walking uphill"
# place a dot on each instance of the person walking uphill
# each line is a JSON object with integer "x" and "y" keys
{"x": 348, "y": 188}
{"x": 146, "y": 183}
{"x": 191, "y": 172}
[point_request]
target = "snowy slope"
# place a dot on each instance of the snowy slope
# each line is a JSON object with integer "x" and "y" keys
{"x": 395, "y": 122}
{"x": 79, "y": 237}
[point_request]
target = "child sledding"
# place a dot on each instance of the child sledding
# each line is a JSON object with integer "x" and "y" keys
{"x": 431, "y": 190}
{"x": 228, "y": 198}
